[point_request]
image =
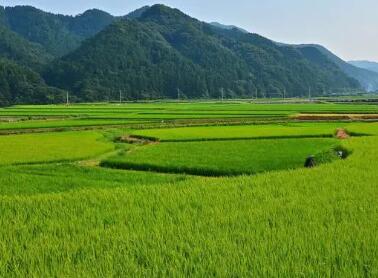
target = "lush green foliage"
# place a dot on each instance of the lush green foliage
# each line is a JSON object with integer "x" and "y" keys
{"x": 54, "y": 178}
{"x": 73, "y": 219}
{"x": 242, "y": 132}
{"x": 179, "y": 114}
{"x": 367, "y": 78}
{"x": 21, "y": 85}
{"x": 159, "y": 52}
{"x": 165, "y": 53}
{"x": 56, "y": 33}
{"x": 47, "y": 147}
{"x": 30, "y": 38}
{"x": 18, "y": 49}
{"x": 318, "y": 222}
{"x": 221, "y": 158}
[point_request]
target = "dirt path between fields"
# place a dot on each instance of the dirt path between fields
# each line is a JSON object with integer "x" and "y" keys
{"x": 333, "y": 117}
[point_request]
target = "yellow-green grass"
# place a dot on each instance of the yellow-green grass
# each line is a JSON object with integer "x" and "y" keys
{"x": 65, "y": 123}
{"x": 175, "y": 109}
{"x": 53, "y": 178}
{"x": 48, "y": 147}
{"x": 243, "y": 131}
{"x": 88, "y": 115}
{"x": 221, "y": 157}
{"x": 319, "y": 222}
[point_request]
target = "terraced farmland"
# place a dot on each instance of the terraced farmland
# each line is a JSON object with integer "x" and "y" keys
{"x": 220, "y": 190}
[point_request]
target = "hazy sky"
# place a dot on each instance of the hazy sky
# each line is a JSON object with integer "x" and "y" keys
{"x": 347, "y": 27}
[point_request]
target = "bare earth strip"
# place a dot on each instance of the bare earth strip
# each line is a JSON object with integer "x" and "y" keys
{"x": 325, "y": 117}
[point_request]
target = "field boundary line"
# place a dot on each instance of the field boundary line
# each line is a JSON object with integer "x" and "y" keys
{"x": 247, "y": 138}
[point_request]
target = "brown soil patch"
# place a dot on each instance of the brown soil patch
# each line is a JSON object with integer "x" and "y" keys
{"x": 325, "y": 117}
{"x": 130, "y": 139}
{"x": 342, "y": 134}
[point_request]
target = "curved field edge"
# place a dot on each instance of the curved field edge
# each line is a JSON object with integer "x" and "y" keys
{"x": 225, "y": 158}
{"x": 319, "y": 222}
{"x": 278, "y": 130}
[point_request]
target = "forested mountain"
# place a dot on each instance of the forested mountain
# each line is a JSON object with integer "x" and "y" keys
{"x": 20, "y": 85}
{"x": 154, "y": 52}
{"x": 367, "y": 78}
{"x": 228, "y": 27}
{"x": 89, "y": 23}
{"x": 58, "y": 34}
{"x": 29, "y": 40}
{"x": 163, "y": 52}
{"x": 372, "y": 66}
{"x": 16, "y": 48}
{"x": 137, "y": 13}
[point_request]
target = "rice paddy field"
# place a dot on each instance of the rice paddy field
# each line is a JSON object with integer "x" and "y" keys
{"x": 189, "y": 190}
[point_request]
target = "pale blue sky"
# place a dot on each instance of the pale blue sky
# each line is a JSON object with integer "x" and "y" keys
{"x": 347, "y": 27}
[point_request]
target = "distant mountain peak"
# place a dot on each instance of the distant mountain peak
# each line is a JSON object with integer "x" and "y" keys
{"x": 160, "y": 11}
{"x": 93, "y": 12}
{"x": 364, "y": 64}
{"x": 228, "y": 27}
{"x": 137, "y": 13}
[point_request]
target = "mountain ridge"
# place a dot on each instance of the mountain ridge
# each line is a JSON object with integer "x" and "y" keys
{"x": 165, "y": 53}
{"x": 165, "y": 50}
{"x": 368, "y": 65}
{"x": 58, "y": 34}
{"x": 228, "y": 27}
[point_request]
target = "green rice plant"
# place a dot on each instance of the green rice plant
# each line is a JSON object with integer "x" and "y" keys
{"x": 70, "y": 219}
{"x": 34, "y": 179}
{"x": 48, "y": 147}
{"x": 64, "y": 123}
{"x": 241, "y": 132}
{"x": 220, "y": 157}
{"x": 318, "y": 222}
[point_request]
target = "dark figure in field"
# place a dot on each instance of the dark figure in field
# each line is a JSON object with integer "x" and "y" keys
{"x": 310, "y": 162}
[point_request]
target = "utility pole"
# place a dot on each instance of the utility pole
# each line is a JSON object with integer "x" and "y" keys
{"x": 256, "y": 94}
{"x": 120, "y": 96}
{"x": 309, "y": 94}
{"x": 284, "y": 93}
{"x": 222, "y": 94}
{"x": 67, "y": 98}
{"x": 178, "y": 93}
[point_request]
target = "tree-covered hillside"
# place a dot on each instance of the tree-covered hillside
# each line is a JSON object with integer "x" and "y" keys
{"x": 368, "y": 79}
{"x": 16, "y": 48}
{"x": 165, "y": 53}
{"x": 372, "y": 66}
{"x": 154, "y": 52}
{"x": 58, "y": 34}
{"x": 20, "y": 85}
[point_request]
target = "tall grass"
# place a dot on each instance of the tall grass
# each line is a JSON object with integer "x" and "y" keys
{"x": 66, "y": 220}
{"x": 309, "y": 223}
